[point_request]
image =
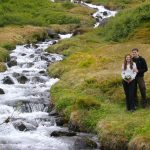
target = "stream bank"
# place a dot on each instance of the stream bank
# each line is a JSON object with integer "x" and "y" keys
{"x": 25, "y": 121}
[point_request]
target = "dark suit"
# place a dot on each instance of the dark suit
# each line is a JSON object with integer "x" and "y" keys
{"x": 139, "y": 80}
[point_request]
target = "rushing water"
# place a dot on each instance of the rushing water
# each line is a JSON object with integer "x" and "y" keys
{"x": 25, "y": 123}
{"x": 101, "y": 14}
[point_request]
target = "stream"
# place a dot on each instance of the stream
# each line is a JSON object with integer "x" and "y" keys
{"x": 25, "y": 121}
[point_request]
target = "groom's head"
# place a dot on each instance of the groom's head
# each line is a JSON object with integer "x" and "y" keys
{"x": 135, "y": 52}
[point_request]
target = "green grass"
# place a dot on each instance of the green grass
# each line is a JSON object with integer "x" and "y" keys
{"x": 117, "y": 4}
{"x": 38, "y": 13}
{"x": 126, "y": 22}
{"x": 90, "y": 92}
{"x": 4, "y": 55}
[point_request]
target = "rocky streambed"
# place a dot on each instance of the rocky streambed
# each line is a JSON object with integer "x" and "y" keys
{"x": 27, "y": 120}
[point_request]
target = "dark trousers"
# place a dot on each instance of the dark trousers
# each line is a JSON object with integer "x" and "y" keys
{"x": 129, "y": 93}
{"x": 139, "y": 82}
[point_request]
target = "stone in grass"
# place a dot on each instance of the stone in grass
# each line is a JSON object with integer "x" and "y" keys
{"x": 8, "y": 80}
{"x": 63, "y": 133}
{"x": 84, "y": 143}
{"x": 2, "y": 91}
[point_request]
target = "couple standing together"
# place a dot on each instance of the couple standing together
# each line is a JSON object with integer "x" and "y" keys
{"x": 133, "y": 70}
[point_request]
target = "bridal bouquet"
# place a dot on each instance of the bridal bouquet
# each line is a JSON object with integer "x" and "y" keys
{"x": 127, "y": 77}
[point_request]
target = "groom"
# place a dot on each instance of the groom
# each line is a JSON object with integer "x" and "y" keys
{"x": 141, "y": 69}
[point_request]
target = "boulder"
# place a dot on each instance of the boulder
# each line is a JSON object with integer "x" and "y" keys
{"x": 73, "y": 127}
{"x": 23, "y": 126}
{"x": 53, "y": 59}
{"x": 23, "y": 54}
{"x": 52, "y": 34}
{"x": 103, "y": 22}
{"x": 31, "y": 56}
{"x": 42, "y": 72}
{"x": 15, "y": 74}
{"x": 63, "y": 133}
{"x": 27, "y": 46}
{"x": 78, "y": 31}
{"x": 20, "y": 126}
{"x": 105, "y": 13}
{"x": 60, "y": 121}
{"x": 53, "y": 113}
{"x": 35, "y": 46}
{"x": 13, "y": 57}
{"x": 84, "y": 143}
{"x": 44, "y": 58}
{"x": 8, "y": 80}
{"x": 11, "y": 63}
{"x": 38, "y": 51}
{"x": 30, "y": 64}
{"x": 54, "y": 42}
{"x": 38, "y": 79}
{"x": 2, "y": 91}
{"x": 22, "y": 79}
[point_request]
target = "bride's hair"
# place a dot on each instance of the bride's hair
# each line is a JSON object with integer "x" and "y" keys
{"x": 125, "y": 62}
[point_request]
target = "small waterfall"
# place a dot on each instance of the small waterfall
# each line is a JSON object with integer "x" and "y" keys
{"x": 100, "y": 15}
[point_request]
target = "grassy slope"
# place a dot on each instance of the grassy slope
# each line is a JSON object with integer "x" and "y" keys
{"x": 19, "y": 17}
{"x": 10, "y": 36}
{"x": 39, "y": 13}
{"x": 90, "y": 93}
{"x": 118, "y": 4}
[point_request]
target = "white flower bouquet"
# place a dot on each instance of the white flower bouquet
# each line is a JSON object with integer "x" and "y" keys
{"x": 127, "y": 77}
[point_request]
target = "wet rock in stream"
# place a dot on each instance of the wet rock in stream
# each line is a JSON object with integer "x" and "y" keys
{"x": 84, "y": 143}
{"x": 53, "y": 113}
{"x": 52, "y": 34}
{"x": 23, "y": 54}
{"x": 27, "y": 46}
{"x": 2, "y": 91}
{"x": 63, "y": 133}
{"x": 11, "y": 63}
{"x": 23, "y": 126}
{"x": 60, "y": 121}
{"x": 105, "y": 13}
{"x": 15, "y": 74}
{"x": 22, "y": 79}
{"x": 32, "y": 56}
{"x": 8, "y": 80}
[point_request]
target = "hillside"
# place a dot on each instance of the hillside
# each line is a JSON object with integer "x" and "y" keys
{"x": 89, "y": 92}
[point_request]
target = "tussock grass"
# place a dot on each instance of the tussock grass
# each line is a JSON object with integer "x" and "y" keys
{"x": 41, "y": 13}
{"x": 10, "y": 36}
{"x": 117, "y": 4}
{"x": 125, "y": 22}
